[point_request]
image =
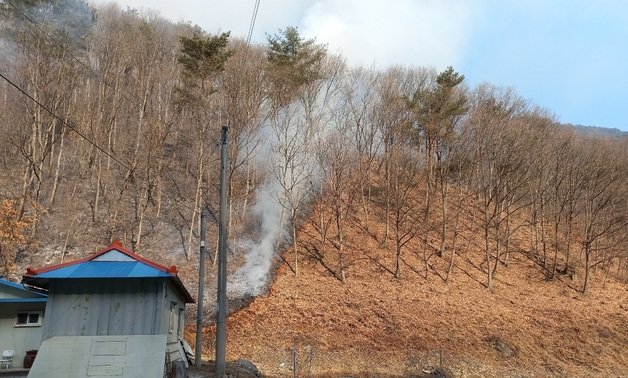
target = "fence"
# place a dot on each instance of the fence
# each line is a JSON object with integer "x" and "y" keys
{"x": 303, "y": 360}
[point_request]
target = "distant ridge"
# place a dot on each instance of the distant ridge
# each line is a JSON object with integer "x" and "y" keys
{"x": 598, "y": 131}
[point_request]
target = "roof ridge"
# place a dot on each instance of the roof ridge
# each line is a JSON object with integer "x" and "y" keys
{"x": 115, "y": 245}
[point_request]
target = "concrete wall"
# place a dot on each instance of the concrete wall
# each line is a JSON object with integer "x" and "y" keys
{"x": 101, "y": 356}
{"x": 19, "y": 339}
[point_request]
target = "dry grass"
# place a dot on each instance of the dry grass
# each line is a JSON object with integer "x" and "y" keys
{"x": 376, "y": 325}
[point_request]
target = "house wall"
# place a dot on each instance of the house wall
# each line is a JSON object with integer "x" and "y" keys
{"x": 81, "y": 307}
{"x": 172, "y": 314}
{"x": 19, "y": 339}
{"x": 101, "y": 356}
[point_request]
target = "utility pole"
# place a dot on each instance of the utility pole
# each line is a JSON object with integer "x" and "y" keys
{"x": 201, "y": 287}
{"x": 221, "y": 315}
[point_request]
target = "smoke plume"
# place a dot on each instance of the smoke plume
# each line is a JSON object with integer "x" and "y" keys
{"x": 251, "y": 278}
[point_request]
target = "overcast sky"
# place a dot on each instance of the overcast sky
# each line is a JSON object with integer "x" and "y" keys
{"x": 567, "y": 56}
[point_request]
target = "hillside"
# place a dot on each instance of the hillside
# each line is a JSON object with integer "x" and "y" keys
{"x": 597, "y": 131}
{"x": 376, "y": 325}
{"x": 114, "y": 130}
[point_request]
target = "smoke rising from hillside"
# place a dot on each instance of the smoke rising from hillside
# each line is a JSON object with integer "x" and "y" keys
{"x": 288, "y": 166}
{"x": 252, "y": 276}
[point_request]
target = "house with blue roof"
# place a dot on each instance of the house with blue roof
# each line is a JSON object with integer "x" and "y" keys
{"x": 113, "y": 313}
{"x": 21, "y": 315}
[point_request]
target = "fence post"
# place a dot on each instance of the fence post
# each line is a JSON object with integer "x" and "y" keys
{"x": 294, "y": 362}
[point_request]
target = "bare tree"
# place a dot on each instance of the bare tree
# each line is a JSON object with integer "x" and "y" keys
{"x": 337, "y": 186}
{"x": 296, "y": 72}
{"x": 389, "y": 114}
{"x": 499, "y": 152}
{"x": 405, "y": 172}
{"x": 603, "y": 211}
{"x": 360, "y": 94}
{"x": 243, "y": 88}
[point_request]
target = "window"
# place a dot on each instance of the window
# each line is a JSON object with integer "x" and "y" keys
{"x": 181, "y": 323}
{"x": 28, "y": 319}
{"x": 173, "y": 322}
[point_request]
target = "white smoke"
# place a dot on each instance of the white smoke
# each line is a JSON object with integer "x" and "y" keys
{"x": 383, "y": 33}
{"x": 287, "y": 163}
{"x": 251, "y": 278}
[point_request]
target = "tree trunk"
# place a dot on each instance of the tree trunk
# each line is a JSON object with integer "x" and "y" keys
{"x": 398, "y": 259}
{"x": 543, "y": 238}
{"x": 247, "y": 189}
{"x": 387, "y": 214}
{"x": 55, "y": 181}
{"x": 143, "y": 204}
{"x": 340, "y": 243}
{"x": 294, "y": 245}
{"x": 587, "y": 267}
{"x": 444, "y": 190}
{"x": 489, "y": 273}
{"x": 507, "y": 241}
{"x": 197, "y": 198}
{"x": 97, "y": 194}
{"x": 568, "y": 236}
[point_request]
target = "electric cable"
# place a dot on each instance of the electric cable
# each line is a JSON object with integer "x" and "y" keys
{"x": 106, "y": 83}
{"x": 64, "y": 122}
{"x": 99, "y": 78}
{"x": 74, "y": 57}
{"x": 88, "y": 140}
{"x": 252, "y": 24}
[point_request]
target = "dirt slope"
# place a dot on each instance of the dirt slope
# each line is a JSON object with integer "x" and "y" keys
{"x": 376, "y": 325}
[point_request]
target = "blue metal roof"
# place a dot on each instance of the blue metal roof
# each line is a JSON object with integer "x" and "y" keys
{"x": 11, "y": 284}
{"x": 24, "y": 300}
{"x": 27, "y": 296}
{"x": 113, "y": 262}
{"x": 105, "y": 269}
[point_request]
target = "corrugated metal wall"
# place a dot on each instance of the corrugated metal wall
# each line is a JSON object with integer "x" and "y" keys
{"x": 173, "y": 304}
{"x": 105, "y": 307}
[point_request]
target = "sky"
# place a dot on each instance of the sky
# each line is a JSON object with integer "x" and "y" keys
{"x": 567, "y": 56}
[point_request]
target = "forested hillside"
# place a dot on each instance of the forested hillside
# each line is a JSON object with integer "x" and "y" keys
{"x": 345, "y": 176}
{"x": 110, "y": 121}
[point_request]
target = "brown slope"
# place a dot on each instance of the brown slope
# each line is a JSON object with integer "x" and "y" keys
{"x": 374, "y": 324}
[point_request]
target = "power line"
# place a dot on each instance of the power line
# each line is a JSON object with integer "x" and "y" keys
{"x": 74, "y": 57}
{"x": 63, "y": 121}
{"x": 88, "y": 140}
{"x": 252, "y": 24}
{"x": 106, "y": 83}
{"x": 100, "y": 79}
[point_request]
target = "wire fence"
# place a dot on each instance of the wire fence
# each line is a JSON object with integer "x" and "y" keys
{"x": 305, "y": 360}
{"x": 310, "y": 357}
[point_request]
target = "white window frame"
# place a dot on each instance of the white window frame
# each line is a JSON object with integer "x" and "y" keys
{"x": 28, "y": 316}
